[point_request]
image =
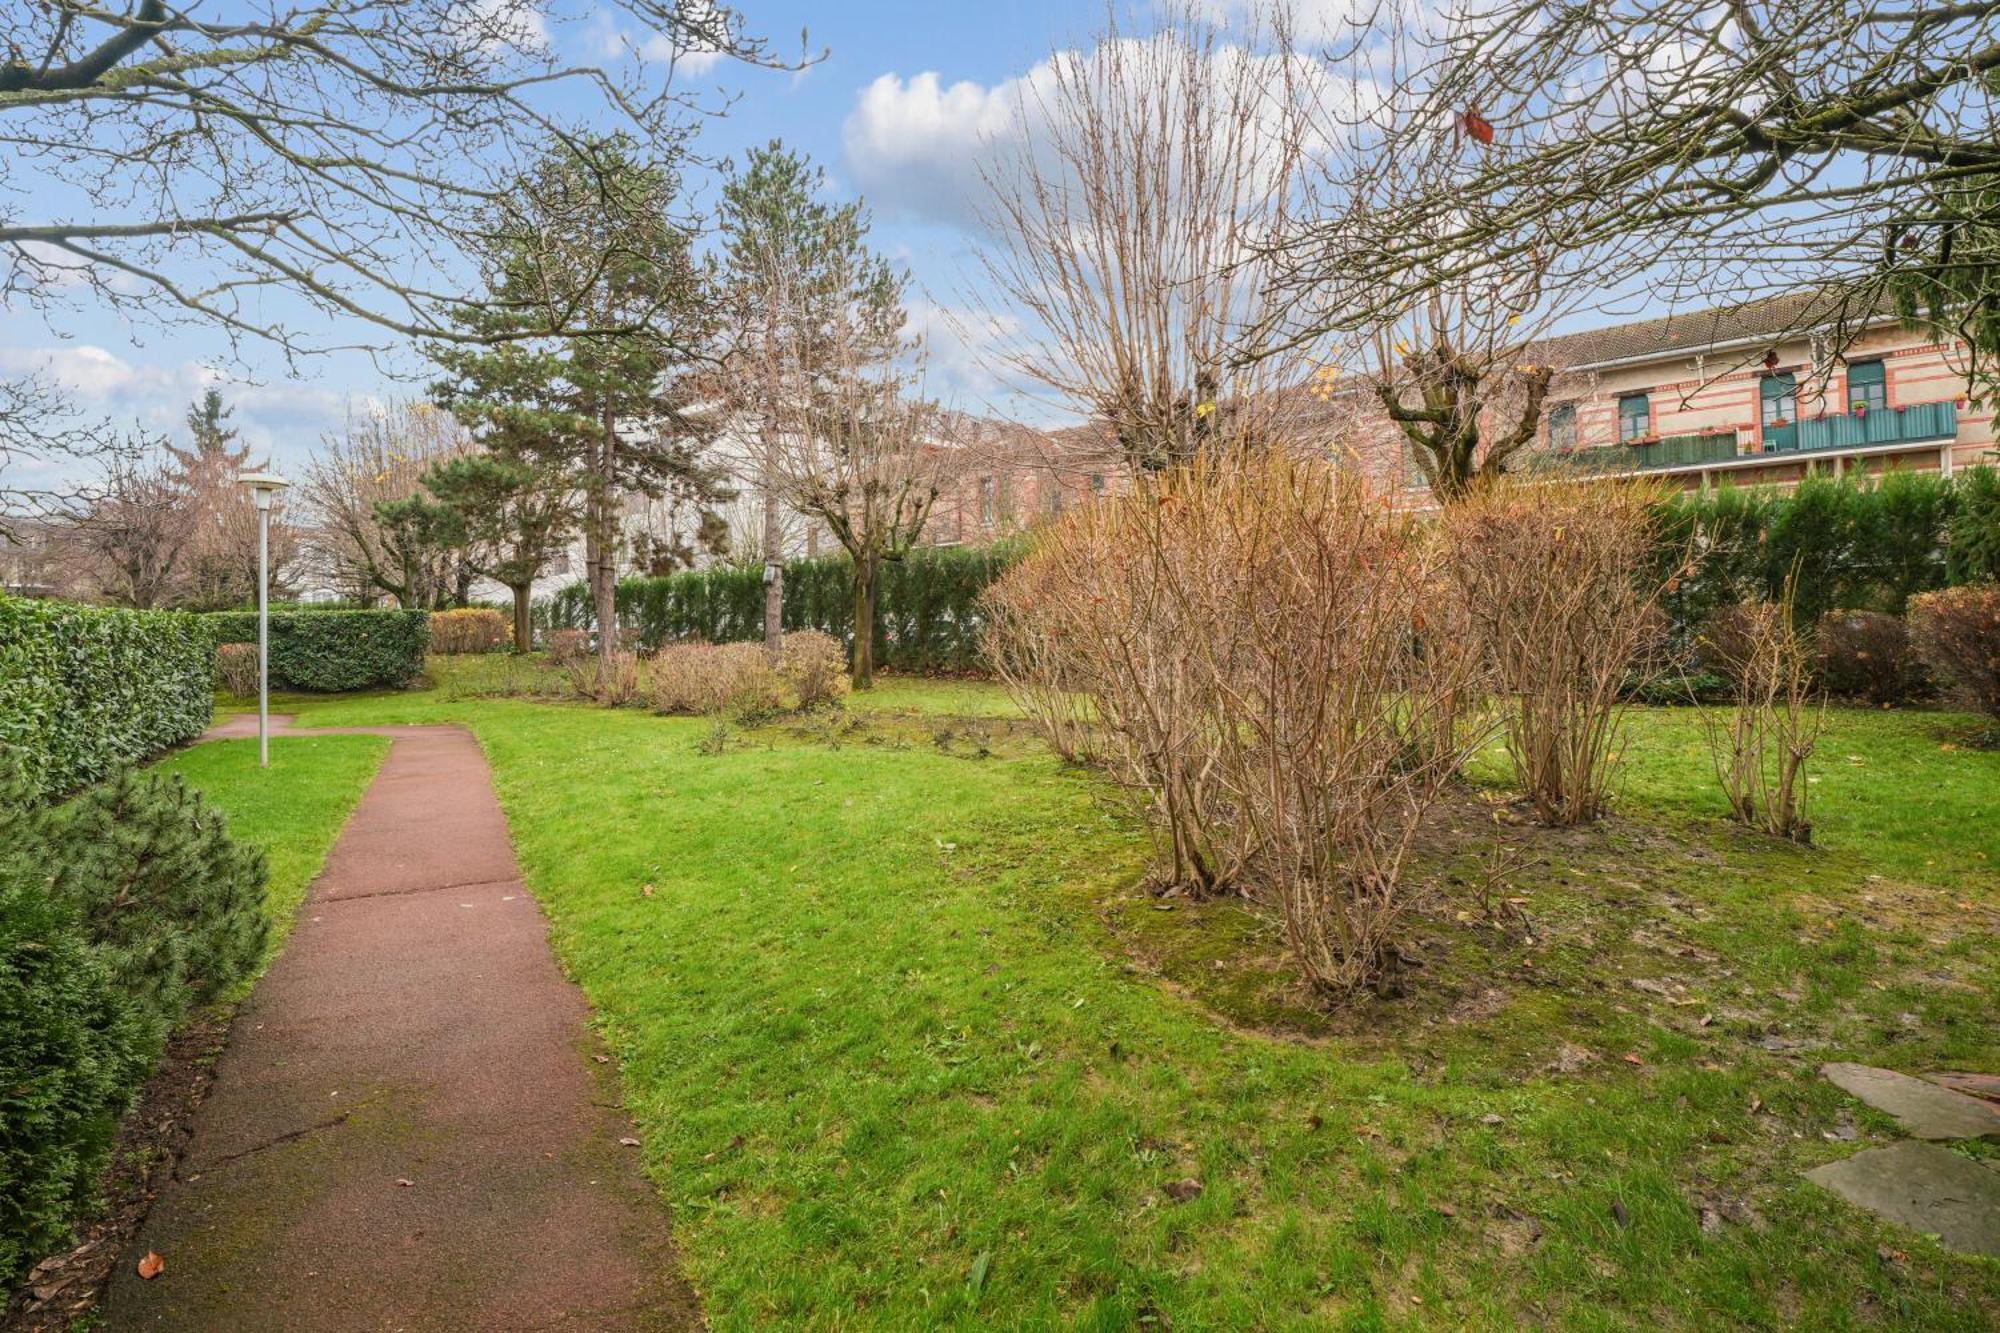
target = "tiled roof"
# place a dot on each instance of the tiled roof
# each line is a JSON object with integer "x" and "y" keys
{"x": 1772, "y": 317}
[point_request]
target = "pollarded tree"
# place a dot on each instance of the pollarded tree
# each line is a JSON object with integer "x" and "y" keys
{"x": 514, "y": 516}
{"x": 614, "y": 414}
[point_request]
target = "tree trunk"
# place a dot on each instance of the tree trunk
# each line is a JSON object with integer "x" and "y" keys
{"x": 774, "y": 575}
{"x": 524, "y": 630}
{"x": 866, "y": 568}
{"x": 600, "y": 547}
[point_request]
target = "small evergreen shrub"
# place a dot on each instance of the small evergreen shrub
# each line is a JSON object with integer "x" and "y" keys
{"x": 236, "y": 668}
{"x": 332, "y": 651}
{"x": 815, "y": 666}
{"x": 85, "y": 689}
{"x": 117, "y": 911}
{"x": 473, "y": 629}
{"x": 1867, "y": 655}
{"x": 1956, "y": 633}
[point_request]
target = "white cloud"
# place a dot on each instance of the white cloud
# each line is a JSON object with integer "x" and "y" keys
{"x": 607, "y": 39}
{"x": 282, "y": 418}
{"x": 501, "y": 25}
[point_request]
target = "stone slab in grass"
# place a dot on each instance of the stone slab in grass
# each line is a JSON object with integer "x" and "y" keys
{"x": 1926, "y": 1188}
{"x": 1925, "y": 1110}
{"x": 1984, "y": 1086}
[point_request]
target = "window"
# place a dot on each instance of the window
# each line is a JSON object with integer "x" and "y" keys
{"x": 1055, "y": 500}
{"x": 986, "y": 501}
{"x": 1562, "y": 427}
{"x": 1097, "y": 483}
{"x": 1868, "y": 386}
{"x": 1779, "y": 395}
{"x": 1635, "y": 417}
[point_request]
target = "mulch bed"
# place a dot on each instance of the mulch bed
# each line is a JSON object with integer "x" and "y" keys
{"x": 64, "y": 1287}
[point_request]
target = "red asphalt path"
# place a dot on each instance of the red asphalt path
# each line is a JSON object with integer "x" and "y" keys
{"x": 407, "y": 1130}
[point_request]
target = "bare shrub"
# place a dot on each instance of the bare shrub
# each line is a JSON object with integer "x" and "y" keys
{"x": 472, "y": 629}
{"x": 814, "y": 665}
{"x": 568, "y": 646}
{"x": 1956, "y": 633}
{"x": 236, "y": 668}
{"x": 702, "y": 679}
{"x": 1555, "y": 578}
{"x": 613, "y": 681}
{"x": 1105, "y": 591}
{"x": 1034, "y": 661}
{"x": 1321, "y": 672}
{"x": 1868, "y": 655}
{"x": 1760, "y": 747}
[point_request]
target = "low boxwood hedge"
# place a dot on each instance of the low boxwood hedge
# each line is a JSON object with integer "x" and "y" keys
{"x": 84, "y": 689}
{"x": 330, "y": 651}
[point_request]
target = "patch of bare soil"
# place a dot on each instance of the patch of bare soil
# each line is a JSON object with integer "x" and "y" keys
{"x": 64, "y": 1287}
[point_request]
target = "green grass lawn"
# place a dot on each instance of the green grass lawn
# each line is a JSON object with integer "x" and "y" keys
{"x": 909, "y": 1049}
{"x": 293, "y": 810}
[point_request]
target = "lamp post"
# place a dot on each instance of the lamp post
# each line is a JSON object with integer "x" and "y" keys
{"x": 264, "y": 488}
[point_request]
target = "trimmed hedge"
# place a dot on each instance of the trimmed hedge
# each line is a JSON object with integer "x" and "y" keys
{"x": 927, "y": 605}
{"x": 327, "y": 652}
{"x": 118, "y": 910}
{"x": 1856, "y": 547}
{"x": 84, "y": 689}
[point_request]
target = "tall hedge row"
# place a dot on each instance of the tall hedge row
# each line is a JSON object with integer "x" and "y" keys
{"x": 1855, "y": 547}
{"x": 85, "y": 689}
{"x": 928, "y": 605}
{"x": 330, "y": 651}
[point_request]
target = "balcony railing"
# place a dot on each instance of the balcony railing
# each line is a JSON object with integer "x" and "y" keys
{"x": 1912, "y": 424}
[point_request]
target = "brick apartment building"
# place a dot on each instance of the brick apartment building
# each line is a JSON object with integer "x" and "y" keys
{"x": 1733, "y": 394}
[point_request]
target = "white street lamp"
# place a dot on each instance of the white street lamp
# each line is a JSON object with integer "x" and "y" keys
{"x": 264, "y": 488}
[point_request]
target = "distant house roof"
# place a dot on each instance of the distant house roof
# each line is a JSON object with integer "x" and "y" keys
{"x": 1772, "y": 317}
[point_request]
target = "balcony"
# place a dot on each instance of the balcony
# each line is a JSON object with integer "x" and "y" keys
{"x": 1672, "y": 451}
{"x": 1916, "y": 423}
{"x": 1911, "y": 424}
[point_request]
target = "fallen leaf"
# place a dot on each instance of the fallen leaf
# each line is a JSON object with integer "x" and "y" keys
{"x": 1619, "y": 1215}
{"x": 404, "y": 1182}
{"x": 629, "y": 1142}
{"x": 152, "y": 1266}
{"x": 648, "y": 890}
{"x": 1631, "y": 1058}
{"x": 602, "y": 1059}
{"x": 1180, "y": 1191}
{"x": 1444, "y": 1210}
{"x": 1491, "y": 1119}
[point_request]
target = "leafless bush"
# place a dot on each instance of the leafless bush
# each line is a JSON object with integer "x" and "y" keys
{"x": 1321, "y": 671}
{"x": 236, "y": 668}
{"x": 1034, "y": 661}
{"x": 1868, "y": 655}
{"x": 703, "y": 679}
{"x": 1106, "y": 594}
{"x": 472, "y": 629}
{"x": 613, "y": 681}
{"x": 1761, "y": 746}
{"x": 1554, "y": 578}
{"x": 814, "y": 665}
{"x": 1957, "y": 634}
{"x": 568, "y": 646}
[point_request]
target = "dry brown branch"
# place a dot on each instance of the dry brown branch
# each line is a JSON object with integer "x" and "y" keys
{"x": 1553, "y": 575}
{"x": 1761, "y": 746}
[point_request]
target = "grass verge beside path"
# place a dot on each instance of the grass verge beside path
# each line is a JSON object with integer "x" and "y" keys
{"x": 909, "y": 1050}
{"x": 293, "y": 811}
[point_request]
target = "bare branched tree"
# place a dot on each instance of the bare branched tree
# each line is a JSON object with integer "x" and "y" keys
{"x": 857, "y": 448}
{"x": 1129, "y": 214}
{"x": 182, "y": 164}
{"x": 380, "y": 459}
{"x": 45, "y": 449}
{"x": 129, "y": 542}
{"x": 1680, "y": 149}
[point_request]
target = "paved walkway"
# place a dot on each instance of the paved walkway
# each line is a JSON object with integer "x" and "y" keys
{"x": 408, "y": 1130}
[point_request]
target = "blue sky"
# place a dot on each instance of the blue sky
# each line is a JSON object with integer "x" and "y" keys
{"x": 894, "y": 114}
